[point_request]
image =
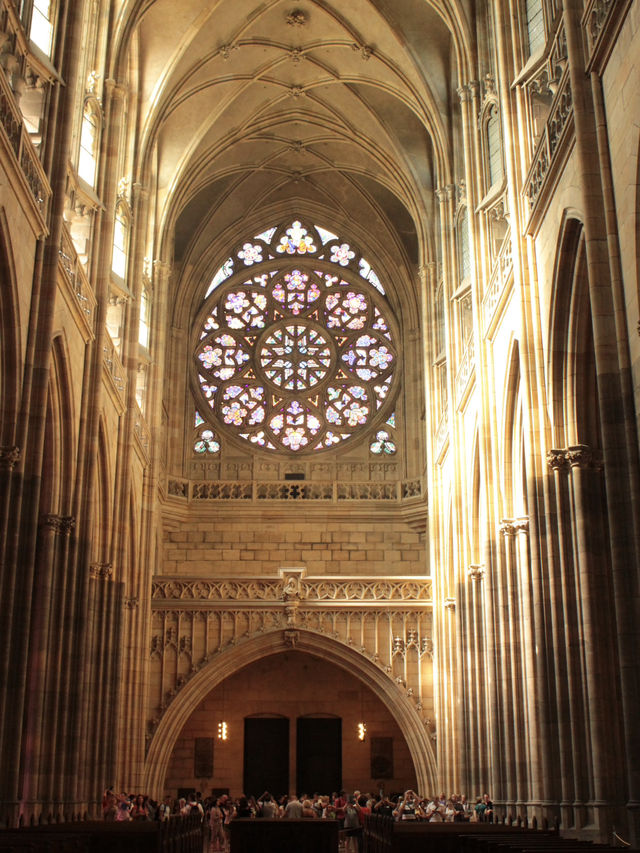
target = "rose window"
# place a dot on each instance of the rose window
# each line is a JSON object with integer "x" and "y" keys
{"x": 297, "y": 358}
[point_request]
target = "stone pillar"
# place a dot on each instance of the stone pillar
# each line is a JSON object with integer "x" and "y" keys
{"x": 477, "y": 687}
{"x": 507, "y": 656}
{"x": 593, "y": 596}
{"x": 39, "y": 727}
{"x": 615, "y": 396}
{"x": 528, "y": 772}
{"x": 19, "y": 569}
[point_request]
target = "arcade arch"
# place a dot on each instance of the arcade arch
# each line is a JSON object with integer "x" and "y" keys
{"x": 393, "y": 696}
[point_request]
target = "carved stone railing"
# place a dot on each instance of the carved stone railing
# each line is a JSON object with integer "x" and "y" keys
{"x": 257, "y": 491}
{"x": 142, "y": 432}
{"x": 344, "y": 590}
{"x": 557, "y": 126}
{"x": 442, "y": 432}
{"x": 500, "y": 275}
{"x": 466, "y": 372}
{"x": 115, "y": 370}
{"x": 77, "y": 281}
{"x": 599, "y": 23}
{"x": 18, "y": 141}
{"x": 387, "y": 620}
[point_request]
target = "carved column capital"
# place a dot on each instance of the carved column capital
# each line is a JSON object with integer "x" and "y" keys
{"x": 476, "y": 571}
{"x": 557, "y": 459}
{"x": 506, "y": 527}
{"x": 464, "y": 93}
{"x": 9, "y": 456}
{"x": 580, "y": 456}
{"x": 474, "y": 88}
{"x": 445, "y": 193}
{"x": 114, "y": 89}
{"x": 62, "y": 525}
{"x": 449, "y": 603}
{"x": 131, "y": 603}
{"x": 162, "y": 269}
{"x": 521, "y": 525}
{"x": 101, "y": 571}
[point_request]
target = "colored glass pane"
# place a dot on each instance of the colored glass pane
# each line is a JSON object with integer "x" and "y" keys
{"x": 295, "y": 359}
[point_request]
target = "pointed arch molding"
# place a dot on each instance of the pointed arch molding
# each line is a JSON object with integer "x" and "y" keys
{"x": 234, "y": 659}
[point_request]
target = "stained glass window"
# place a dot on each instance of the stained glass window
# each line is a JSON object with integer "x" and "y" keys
{"x": 205, "y": 439}
{"x": 300, "y": 357}
{"x": 383, "y": 441}
{"x": 295, "y": 238}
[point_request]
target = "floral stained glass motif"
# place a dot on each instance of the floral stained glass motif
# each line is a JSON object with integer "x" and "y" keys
{"x": 383, "y": 443}
{"x": 295, "y": 359}
{"x": 250, "y": 253}
{"x": 296, "y": 238}
{"x": 206, "y": 442}
{"x": 296, "y": 241}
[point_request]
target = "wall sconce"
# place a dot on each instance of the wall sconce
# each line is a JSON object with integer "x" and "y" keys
{"x": 362, "y": 731}
{"x": 223, "y": 730}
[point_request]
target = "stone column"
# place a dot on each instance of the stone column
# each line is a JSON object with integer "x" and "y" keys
{"x": 19, "y": 569}
{"x": 593, "y": 596}
{"x": 507, "y": 656}
{"x": 570, "y": 713}
{"x": 529, "y": 772}
{"x": 615, "y": 396}
{"x": 39, "y": 727}
{"x": 477, "y": 664}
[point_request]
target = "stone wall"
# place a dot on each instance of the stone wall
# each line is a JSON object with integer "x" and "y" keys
{"x": 291, "y": 685}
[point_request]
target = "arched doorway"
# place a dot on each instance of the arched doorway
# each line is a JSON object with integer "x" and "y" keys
{"x": 350, "y": 669}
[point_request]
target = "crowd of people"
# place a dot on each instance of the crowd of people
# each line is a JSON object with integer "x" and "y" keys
{"x": 349, "y": 810}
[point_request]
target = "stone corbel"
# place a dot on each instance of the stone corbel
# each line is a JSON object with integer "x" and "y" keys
{"x": 62, "y": 525}
{"x": 9, "y": 456}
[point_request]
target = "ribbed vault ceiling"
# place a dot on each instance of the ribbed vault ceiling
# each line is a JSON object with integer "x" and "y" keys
{"x": 340, "y": 110}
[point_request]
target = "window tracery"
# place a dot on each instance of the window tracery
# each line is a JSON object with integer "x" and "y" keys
{"x": 292, "y": 353}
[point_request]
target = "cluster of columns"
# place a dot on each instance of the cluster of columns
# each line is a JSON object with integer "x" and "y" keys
{"x": 535, "y": 676}
{"x": 69, "y": 623}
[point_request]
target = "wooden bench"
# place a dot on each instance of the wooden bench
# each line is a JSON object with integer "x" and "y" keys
{"x": 260, "y": 835}
{"x": 177, "y": 835}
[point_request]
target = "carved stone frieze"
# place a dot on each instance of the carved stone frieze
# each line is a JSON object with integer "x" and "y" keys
{"x": 395, "y": 639}
{"x": 273, "y": 589}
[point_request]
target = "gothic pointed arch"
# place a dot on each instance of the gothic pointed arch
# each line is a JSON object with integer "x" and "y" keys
{"x": 9, "y": 339}
{"x": 197, "y": 687}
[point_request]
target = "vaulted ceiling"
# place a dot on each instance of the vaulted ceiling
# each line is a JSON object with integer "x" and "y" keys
{"x": 337, "y": 109}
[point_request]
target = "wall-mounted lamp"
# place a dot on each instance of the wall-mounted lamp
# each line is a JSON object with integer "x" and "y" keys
{"x": 223, "y": 730}
{"x": 362, "y": 731}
